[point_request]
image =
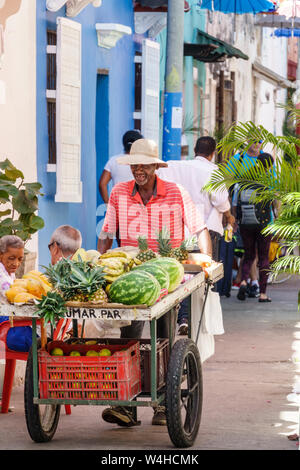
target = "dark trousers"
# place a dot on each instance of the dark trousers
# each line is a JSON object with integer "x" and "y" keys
{"x": 226, "y": 257}
{"x": 215, "y": 241}
{"x": 254, "y": 240}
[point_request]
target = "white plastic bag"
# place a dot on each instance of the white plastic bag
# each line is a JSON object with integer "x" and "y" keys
{"x": 211, "y": 324}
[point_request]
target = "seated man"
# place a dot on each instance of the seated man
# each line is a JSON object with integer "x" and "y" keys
{"x": 64, "y": 242}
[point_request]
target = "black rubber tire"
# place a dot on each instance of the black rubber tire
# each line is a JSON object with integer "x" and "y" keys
{"x": 41, "y": 420}
{"x": 184, "y": 363}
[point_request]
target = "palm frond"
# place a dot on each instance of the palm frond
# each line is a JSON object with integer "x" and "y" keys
{"x": 288, "y": 264}
{"x": 274, "y": 183}
{"x": 241, "y": 136}
{"x": 286, "y": 229}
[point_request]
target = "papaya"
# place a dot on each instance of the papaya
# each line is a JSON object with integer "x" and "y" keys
{"x": 13, "y": 291}
{"x": 35, "y": 274}
{"x": 23, "y": 297}
{"x": 20, "y": 282}
{"x": 34, "y": 286}
{"x": 39, "y": 275}
{"x": 46, "y": 287}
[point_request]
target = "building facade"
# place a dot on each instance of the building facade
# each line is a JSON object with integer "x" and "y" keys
{"x": 85, "y": 103}
{"x": 18, "y": 89}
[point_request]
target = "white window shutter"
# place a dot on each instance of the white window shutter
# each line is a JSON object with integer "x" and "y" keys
{"x": 68, "y": 112}
{"x": 150, "y": 89}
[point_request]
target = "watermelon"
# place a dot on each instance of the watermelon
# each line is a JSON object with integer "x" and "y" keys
{"x": 173, "y": 268}
{"x": 157, "y": 271}
{"x": 135, "y": 288}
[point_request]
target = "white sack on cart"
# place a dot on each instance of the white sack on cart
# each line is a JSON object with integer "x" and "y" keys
{"x": 212, "y": 321}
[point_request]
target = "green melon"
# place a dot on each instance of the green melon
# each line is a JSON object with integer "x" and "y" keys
{"x": 135, "y": 288}
{"x": 173, "y": 268}
{"x": 157, "y": 271}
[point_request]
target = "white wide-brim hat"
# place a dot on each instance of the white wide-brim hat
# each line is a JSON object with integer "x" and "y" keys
{"x": 142, "y": 152}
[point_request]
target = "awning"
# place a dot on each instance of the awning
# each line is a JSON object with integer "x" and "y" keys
{"x": 153, "y": 3}
{"x": 264, "y": 73}
{"x": 156, "y": 5}
{"x": 211, "y": 49}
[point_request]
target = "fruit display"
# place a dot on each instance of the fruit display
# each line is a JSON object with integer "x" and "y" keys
{"x": 199, "y": 259}
{"x": 165, "y": 249}
{"x": 77, "y": 281}
{"x": 136, "y": 277}
{"x": 158, "y": 272}
{"x": 116, "y": 263}
{"x": 104, "y": 352}
{"x": 174, "y": 268}
{"x": 164, "y": 246}
{"x": 135, "y": 288}
{"x": 57, "y": 352}
{"x": 33, "y": 285}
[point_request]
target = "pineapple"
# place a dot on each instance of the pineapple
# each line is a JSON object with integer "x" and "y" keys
{"x": 145, "y": 254}
{"x": 77, "y": 280}
{"x": 164, "y": 243}
{"x": 99, "y": 296}
{"x": 182, "y": 252}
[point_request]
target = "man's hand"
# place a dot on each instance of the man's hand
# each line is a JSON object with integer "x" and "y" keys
{"x": 230, "y": 219}
{"x": 104, "y": 244}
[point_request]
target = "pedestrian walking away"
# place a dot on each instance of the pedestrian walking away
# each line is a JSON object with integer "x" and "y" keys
{"x": 253, "y": 218}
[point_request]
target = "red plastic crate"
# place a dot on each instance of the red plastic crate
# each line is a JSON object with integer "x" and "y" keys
{"x": 115, "y": 377}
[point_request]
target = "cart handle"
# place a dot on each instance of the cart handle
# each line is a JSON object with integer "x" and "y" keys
{"x": 208, "y": 284}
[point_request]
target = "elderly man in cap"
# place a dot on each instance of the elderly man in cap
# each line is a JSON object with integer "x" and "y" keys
{"x": 143, "y": 206}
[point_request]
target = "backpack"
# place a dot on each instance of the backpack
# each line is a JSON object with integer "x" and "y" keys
{"x": 251, "y": 214}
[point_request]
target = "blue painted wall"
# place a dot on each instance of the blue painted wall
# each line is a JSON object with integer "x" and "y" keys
{"x": 193, "y": 20}
{"x": 120, "y": 63}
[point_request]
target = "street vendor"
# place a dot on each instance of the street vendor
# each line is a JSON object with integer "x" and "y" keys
{"x": 143, "y": 206}
{"x": 11, "y": 257}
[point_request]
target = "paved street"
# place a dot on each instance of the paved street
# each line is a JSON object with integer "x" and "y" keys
{"x": 246, "y": 384}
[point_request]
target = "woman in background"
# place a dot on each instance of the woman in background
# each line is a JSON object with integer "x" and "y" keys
{"x": 11, "y": 257}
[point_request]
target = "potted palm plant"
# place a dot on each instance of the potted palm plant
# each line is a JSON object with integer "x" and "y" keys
{"x": 19, "y": 204}
{"x": 281, "y": 184}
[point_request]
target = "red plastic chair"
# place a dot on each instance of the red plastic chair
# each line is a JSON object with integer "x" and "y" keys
{"x": 11, "y": 357}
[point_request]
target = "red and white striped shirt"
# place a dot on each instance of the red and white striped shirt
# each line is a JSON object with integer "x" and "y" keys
{"x": 170, "y": 206}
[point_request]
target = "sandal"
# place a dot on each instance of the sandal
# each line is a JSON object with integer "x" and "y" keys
{"x": 265, "y": 300}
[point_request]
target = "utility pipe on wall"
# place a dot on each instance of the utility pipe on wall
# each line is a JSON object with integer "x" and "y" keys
{"x": 172, "y": 123}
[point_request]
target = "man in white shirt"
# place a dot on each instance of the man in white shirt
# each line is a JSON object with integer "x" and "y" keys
{"x": 115, "y": 172}
{"x": 193, "y": 176}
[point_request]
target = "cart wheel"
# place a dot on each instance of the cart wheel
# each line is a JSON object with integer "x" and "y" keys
{"x": 184, "y": 393}
{"x": 41, "y": 420}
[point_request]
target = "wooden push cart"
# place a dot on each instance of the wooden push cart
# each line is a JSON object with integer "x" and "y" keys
{"x": 182, "y": 388}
